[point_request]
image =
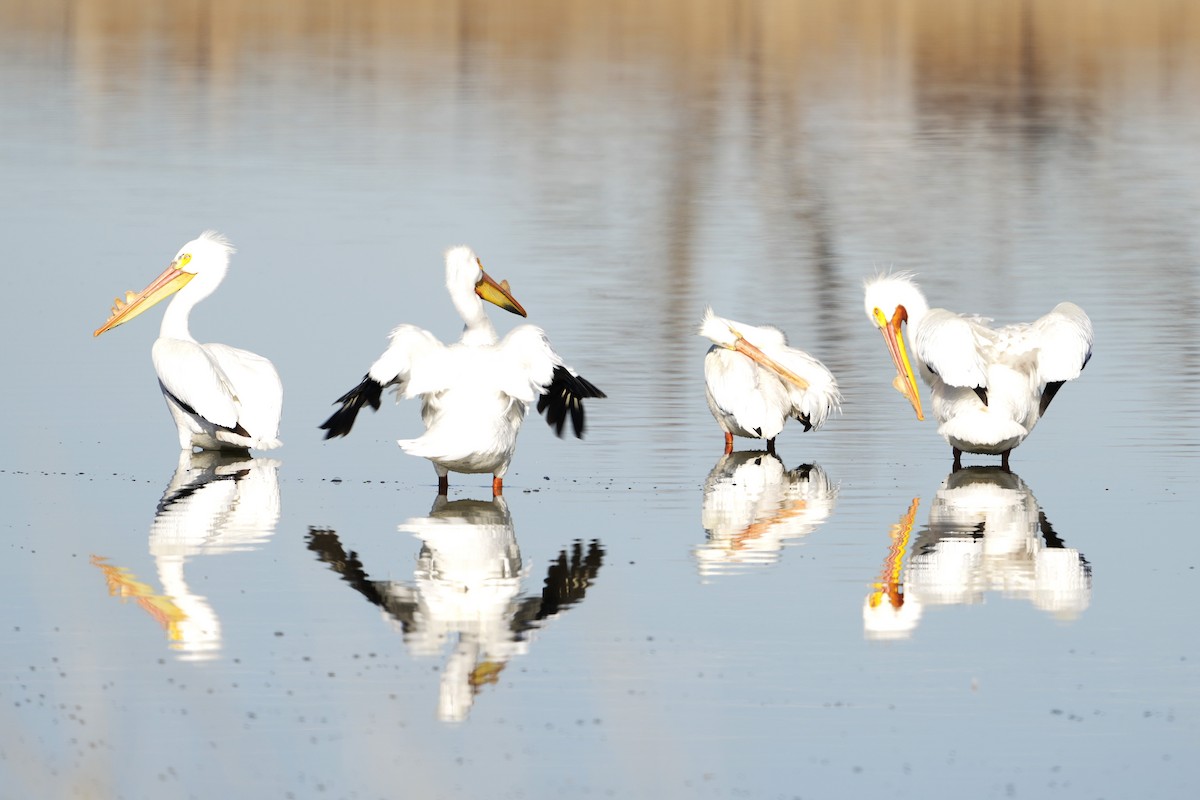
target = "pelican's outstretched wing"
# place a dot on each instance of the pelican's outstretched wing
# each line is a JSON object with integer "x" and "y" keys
{"x": 407, "y": 352}
{"x": 1064, "y": 347}
{"x": 532, "y": 369}
{"x": 566, "y": 393}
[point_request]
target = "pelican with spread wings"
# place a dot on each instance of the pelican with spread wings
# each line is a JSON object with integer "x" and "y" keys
{"x": 474, "y": 393}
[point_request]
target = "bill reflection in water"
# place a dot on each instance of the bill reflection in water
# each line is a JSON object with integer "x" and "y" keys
{"x": 466, "y": 591}
{"x": 986, "y": 533}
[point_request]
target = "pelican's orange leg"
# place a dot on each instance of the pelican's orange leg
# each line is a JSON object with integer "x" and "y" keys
{"x": 497, "y": 486}
{"x": 728, "y": 442}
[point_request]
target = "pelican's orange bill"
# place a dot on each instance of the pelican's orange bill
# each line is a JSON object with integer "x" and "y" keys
{"x": 906, "y": 381}
{"x": 750, "y": 351}
{"x": 498, "y": 294}
{"x": 168, "y": 283}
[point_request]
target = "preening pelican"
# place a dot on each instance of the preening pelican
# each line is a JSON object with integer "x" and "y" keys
{"x": 990, "y": 386}
{"x": 754, "y": 381}
{"x": 474, "y": 394}
{"x": 221, "y": 398}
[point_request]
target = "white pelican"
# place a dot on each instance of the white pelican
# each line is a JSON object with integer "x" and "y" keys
{"x": 221, "y": 398}
{"x": 990, "y": 385}
{"x": 474, "y": 394}
{"x": 754, "y": 381}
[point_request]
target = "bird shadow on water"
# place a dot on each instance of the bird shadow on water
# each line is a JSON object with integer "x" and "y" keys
{"x": 753, "y": 507}
{"x": 214, "y": 504}
{"x": 466, "y": 590}
{"x": 986, "y": 533}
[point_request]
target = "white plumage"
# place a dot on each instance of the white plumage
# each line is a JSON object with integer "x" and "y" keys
{"x": 754, "y": 381}
{"x": 474, "y": 393}
{"x": 220, "y": 397}
{"x": 990, "y": 386}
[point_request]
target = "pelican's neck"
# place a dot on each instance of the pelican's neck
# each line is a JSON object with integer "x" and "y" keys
{"x": 477, "y": 328}
{"x": 175, "y": 320}
{"x": 916, "y": 314}
{"x": 915, "y": 307}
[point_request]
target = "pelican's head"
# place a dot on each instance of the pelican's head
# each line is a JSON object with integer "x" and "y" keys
{"x": 890, "y": 301}
{"x": 464, "y": 271}
{"x": 718, "y": 330}
{"x": 726, "y": 333}
{"x": 207, "y": 255}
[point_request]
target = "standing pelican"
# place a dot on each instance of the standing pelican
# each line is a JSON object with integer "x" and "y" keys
{"x": 474, "y": 394}
{"x": 990, "y": 385}
{"x": 221, "y": 398}
{"x": 754, "y": 381}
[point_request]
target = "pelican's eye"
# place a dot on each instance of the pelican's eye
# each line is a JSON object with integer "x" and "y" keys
{"x": 183, "y": 260}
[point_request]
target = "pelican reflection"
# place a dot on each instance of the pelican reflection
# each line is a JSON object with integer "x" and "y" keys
{"x": 986, "y": 533}
{"x": 753, "y": 507}
{"x": 215, "y": 503}
{"x": 466, "y": 592}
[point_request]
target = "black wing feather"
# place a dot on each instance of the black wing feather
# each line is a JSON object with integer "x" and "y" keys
{"x": 1048, "y": 393}
{"x": 238, "y": 429}
{"x": 566, "y": 584}
{"x": 566, "y": 393}
{"x": 341, "y": 421}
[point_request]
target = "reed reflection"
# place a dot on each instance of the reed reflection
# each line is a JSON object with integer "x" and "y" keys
{"x": 214, "y": 504}
{"x": 466, "y": 592}
{"x": 986, "y": 533}
{"x": 753, "y": 507}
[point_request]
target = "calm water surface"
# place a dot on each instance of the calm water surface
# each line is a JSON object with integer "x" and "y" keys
{"x": 638, "y": 616}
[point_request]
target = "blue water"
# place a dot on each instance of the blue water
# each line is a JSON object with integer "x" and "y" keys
{"x": 639, "y": 616}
